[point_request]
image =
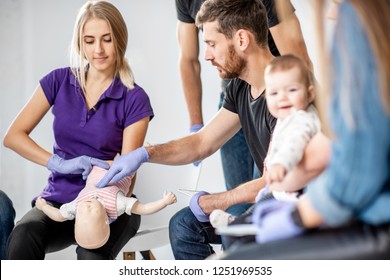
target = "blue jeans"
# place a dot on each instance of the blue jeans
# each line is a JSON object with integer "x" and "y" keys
{"x": 190, "y": 239}
{"x": 7, "y": 217}
{"x": 237, "y": 163}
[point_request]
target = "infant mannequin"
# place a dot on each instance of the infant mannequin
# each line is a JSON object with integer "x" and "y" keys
{"x": 97, "y": 208}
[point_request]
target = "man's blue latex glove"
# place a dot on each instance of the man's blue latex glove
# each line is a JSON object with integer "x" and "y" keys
{"x": 123, "y": 166}
{"x": 79, "y": 165}
{"x": 195, "y": 208}
{"x": 194, "y": 129}
{"x": 274, "y": 221}
{"x": 262, "y": 192}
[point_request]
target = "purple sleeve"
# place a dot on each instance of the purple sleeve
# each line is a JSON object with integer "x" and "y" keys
{"x": 138, "y": 106}
{"x": 51, "y": 83}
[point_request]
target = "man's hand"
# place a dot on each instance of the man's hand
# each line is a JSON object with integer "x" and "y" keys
{"x": 79, "y": 165}
{"x": 125, "y": 165}
{"x": 274, "y": 221}
{"x": 196, "y": 209}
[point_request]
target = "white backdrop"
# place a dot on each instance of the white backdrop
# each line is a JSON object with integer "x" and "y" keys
{"x": 35, "y": 36}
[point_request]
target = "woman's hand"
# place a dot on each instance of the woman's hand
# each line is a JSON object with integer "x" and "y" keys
{"x": 79, "y": 165}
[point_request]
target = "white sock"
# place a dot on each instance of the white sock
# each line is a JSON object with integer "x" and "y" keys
{"x": 219, "y": 218}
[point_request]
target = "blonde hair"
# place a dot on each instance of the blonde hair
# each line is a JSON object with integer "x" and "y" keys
{"x": 287, "y": 62}
{"x": 373, "y": 15}
{"x": 375, "y": 18}
{"x": 108, "y": 12}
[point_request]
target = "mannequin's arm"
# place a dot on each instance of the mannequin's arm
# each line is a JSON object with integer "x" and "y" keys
{"x": 52, "y": 212}
{"x": 155, "y": 206}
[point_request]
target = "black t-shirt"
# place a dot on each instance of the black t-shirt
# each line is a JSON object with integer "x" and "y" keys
{"x": 256, "y": 121}
{"x": 187, "y": 9}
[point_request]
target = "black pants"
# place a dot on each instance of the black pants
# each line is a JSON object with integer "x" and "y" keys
{"x": 355, "y": 241}
{"x": 36, "y": 234}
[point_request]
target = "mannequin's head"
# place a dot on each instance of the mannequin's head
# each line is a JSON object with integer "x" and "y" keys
{"x": 92, "y": 227}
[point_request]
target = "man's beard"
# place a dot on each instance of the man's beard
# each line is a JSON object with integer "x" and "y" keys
{"x": 234, "y": 65}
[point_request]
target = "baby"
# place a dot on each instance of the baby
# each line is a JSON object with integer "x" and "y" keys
{"x": 94, "y": 209}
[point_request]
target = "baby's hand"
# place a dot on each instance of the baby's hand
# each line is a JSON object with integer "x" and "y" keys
{"x": 40, "y": 203}
{"x": 276, "y": 173}
{"x": 169, "y": 198}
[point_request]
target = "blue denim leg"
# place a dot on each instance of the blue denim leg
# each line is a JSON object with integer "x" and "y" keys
{"x": 190, "y": 239}
{"x": 237, "y": 163}
{"x": 7, "y": 217}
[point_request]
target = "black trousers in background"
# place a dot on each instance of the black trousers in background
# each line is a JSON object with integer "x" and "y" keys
{"x": 352, "y": 242}
{"x": 36, "y": 234}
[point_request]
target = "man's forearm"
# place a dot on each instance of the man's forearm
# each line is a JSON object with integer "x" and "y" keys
{"x": 192, "y": 88}
{"x": 245, "y": 193}
{"x": 176, "y": 152}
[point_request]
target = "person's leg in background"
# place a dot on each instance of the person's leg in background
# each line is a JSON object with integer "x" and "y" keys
{"x": 7, "y": 222}
{"x": 237, "y": 163}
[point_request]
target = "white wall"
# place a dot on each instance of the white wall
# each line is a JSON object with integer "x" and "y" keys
{"x": 35, "y": 36}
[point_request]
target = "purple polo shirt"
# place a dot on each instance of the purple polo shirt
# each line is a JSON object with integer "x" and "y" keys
{"x": 97, "y": 133}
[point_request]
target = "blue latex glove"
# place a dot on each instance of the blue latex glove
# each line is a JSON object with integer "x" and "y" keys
{"x": 262, "y": 192}
{"x": 274, "y": 221}
{"x": 123, "y": 166}
{"x": 79, "y": 165}
{"x": 194, "y": 129}
{"x": 195, "y": 208}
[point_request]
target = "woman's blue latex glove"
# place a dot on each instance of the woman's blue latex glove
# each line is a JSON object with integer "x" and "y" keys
{"x": 123, "y": 166}
{"x": 274, "y": 221}
{"x": 79, "y": 165}
{"x": 196, "y": 209}
{"x": 194, "y": 129}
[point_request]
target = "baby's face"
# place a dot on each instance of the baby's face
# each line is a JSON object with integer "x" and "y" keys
{"x": 285, "y": 91}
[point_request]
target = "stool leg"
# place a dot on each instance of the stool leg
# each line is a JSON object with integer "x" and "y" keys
{"x": 129, "y": 255}
{"x": 147, "y": 255}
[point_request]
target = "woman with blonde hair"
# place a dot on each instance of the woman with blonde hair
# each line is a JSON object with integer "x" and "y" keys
{"x": 345, "y": 212}
{"x": 98, "y": 112}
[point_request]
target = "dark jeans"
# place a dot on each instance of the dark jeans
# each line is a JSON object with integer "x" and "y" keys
{"x": 351, "y": 242}
{"x": 190, "y": 239}
{"x": 7, "y": 217}
{"x": 36, "y": 234}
